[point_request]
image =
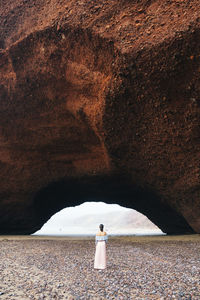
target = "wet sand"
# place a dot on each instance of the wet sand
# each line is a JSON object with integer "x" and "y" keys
{"x": 159, "y": 267}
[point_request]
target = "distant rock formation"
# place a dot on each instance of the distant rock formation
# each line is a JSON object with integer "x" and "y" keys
{"x": 85, "y": 219}
{"x": 100, "y": 100}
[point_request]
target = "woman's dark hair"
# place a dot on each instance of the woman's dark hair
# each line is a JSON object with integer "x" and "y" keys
{"x": 101, "y": 227}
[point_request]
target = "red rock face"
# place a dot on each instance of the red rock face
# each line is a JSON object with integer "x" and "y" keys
{"x": 100, "y": 100}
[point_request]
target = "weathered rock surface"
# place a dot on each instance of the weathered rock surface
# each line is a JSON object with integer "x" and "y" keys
{"x": 100, "y": 100}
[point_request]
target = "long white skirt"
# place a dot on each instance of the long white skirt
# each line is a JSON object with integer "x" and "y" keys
{"x": 100, "y": 255}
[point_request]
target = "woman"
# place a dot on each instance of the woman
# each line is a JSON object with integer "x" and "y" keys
{"x": 100, "y": 254}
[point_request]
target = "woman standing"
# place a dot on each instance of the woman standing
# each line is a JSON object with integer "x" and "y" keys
{"x": 100, "y": 254}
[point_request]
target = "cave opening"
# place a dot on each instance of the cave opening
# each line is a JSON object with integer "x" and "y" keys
{"x": 84, "y": 220}
{"x": 111, "y": 190}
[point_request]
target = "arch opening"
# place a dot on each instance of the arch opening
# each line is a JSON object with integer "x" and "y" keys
{"x": 112, "y": 190}
{"x": 84, "y": 220}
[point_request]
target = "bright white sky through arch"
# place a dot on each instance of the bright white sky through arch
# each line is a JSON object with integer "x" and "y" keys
{"x": 85, "y": 219}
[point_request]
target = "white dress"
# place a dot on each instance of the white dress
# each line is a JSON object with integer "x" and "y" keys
{"x": 100, "y": 254}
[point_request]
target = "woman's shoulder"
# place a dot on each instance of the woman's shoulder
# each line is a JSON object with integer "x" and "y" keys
{"x": 100, "y": 233}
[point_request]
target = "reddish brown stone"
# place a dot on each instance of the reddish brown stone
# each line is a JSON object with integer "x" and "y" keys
{"x": 100, "y": 100}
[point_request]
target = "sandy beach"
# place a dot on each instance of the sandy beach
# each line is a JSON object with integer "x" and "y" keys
{"x": 159, "y": 267}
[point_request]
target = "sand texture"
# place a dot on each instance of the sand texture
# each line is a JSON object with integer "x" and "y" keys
{"x": 62, "y": 268}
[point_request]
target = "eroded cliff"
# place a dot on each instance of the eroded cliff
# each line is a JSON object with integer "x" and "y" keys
{"x": 100, "y": 100}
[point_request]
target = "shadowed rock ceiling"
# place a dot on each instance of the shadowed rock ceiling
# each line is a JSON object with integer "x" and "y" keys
{"x": 100, "y": 100}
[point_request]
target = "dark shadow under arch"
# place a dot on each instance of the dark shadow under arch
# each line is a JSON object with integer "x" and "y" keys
{"x": 65, "y": 193}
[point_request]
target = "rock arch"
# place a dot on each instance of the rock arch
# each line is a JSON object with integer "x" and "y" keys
{"x": 100, "y": 93}
{"x": 111, "y": 189}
